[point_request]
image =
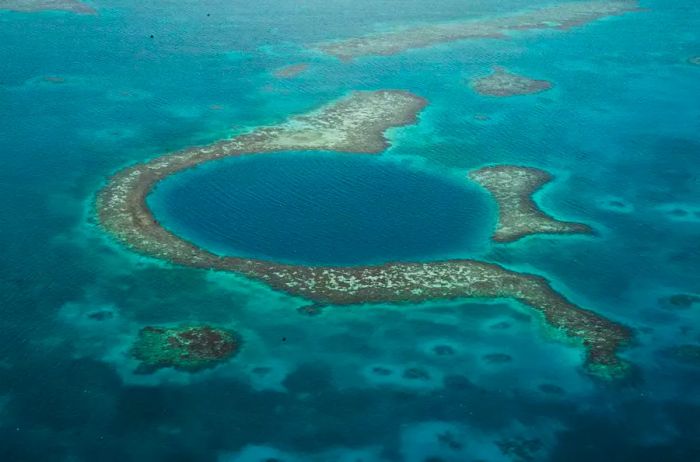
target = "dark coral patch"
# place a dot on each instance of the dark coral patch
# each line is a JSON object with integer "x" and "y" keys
{"x": 188, "y": 348}
{"x": 443, "y": 350}
{"x": 448, "y": 439}
{"x": 681, "y": 301}
{"x": 415, "y": 373}
{"x": 378, "y": 370}
{"x": 523, "y": 449}
{"x": 313, "y": 309}
{"x": 501, "y": 325}
{"x": 101, "y": 315}
{"x": 502, "y": 83}
{"x": 497, "y": 358}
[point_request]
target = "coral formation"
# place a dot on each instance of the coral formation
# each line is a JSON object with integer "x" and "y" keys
{"x": 443, "y": 350}
{"x": 497, "y": 358}
{"x": 520, "y": 448}
{"x": 101, "y": 315}
{"x": 561, "y": 16}
{"x": 502, "y": 83}
{"x": 681, "y": 301}
{"x": 518, "y": 215}
{"x": 414, "y": 373}
{"x": 186, "y": 348}
{"x": 312, "y": 309}
{"x": 291, "y": 71}
{"x": 353, "y": 124}
{"x": 381, "y": 370}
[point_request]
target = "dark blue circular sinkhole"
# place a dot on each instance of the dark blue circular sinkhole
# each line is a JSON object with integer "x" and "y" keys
{"x": 323, "y": 208}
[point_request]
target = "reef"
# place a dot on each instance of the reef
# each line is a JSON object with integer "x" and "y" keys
{"x": 682, "y": 301}
{"x": 518, "y": 215}
{"x": 443, "y": 350}
{"x": 681, "y": 212}
{"x": 311, "y": 309}
{"x": 520, "y": 448}
{"x": 695, "y": 60}
{"x": 186, "y": 348}
{"x": 561, "y": 16}
{"x": 447, "y": 438}
{"x": 415, "y": 373}
{"x": 502, "y": 83}
{"x": 503, "y": 325}
{"x": 615, "y": 204}
{"x": 383, "y": 371}
{"x": 291, "y": 71}
{"x": 353, "y": 124}
{"x": 497, "y": 358}
{"x": 101, "y": 315}
{"x": 34, "y": 6}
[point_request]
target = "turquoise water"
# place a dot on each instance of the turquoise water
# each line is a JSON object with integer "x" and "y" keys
{"x": 324, "y": 209}
{"x": 619, "y": 126}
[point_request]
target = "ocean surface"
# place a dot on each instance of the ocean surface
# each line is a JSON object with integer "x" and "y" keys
{"x": 82, "y": 96}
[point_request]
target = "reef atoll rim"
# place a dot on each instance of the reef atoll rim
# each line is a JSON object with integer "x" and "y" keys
{"x": 560, "y": 16}
{"x": 185, "y": 348}
{"x": 502, "y": 83}
{"x": 353, "y": 124}
{"x": 33, "y": 6}
{"x": 512, "y": 187}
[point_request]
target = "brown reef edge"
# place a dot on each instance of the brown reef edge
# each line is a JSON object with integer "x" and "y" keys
{"x": 354, "y": 124}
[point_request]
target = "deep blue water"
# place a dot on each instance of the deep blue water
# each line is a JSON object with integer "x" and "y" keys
{"x": 620, "y": 126}
{"x": 323, "y": 209}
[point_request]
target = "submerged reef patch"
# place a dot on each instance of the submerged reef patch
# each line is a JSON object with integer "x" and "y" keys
{"x": 683, "y": 301}
{"x": 615, "y": 204}
{"x": 502, "y": 83}
{"x": 353, "y": 124}
{"x": 512, "y": 187}
{"x": 520, "y": 448}
{"x": 186, "y": 348}
{"x": 562, "y": 16}
{"x": 291, "y": 71}
{"x": 34, "y": 6}
{"x": 497, "y": 358}
{"x": 681, "y": 212}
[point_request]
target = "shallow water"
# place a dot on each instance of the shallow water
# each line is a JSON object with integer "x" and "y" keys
{"x": 619, "y": 130}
